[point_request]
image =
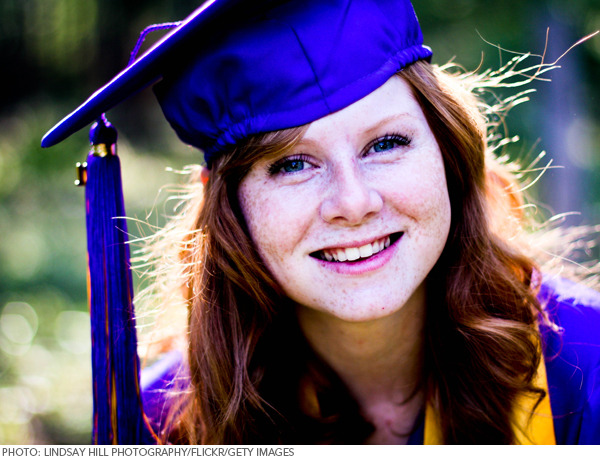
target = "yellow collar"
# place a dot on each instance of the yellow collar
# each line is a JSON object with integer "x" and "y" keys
{"x": 537, "y": 430}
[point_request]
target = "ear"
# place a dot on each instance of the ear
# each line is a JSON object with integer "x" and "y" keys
{"x": 204, "y": 176}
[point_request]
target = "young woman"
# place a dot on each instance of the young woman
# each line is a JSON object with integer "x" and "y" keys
{"x": 353, "y": 260}
{"x": 344, "y": 275}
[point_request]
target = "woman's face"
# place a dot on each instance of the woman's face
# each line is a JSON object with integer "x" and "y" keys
{"x": 353, "y": 218}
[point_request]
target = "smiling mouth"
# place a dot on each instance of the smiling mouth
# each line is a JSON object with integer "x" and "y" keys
{"x": 357, "y": 253}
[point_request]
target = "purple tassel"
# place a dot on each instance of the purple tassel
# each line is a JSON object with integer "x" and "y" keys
{"x": 118, "y": 413}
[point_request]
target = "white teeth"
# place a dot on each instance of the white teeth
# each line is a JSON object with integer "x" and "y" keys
{"x": 351, "y": 254}
{"x": 376, "y": 247}
{"x": 366, "y": 250}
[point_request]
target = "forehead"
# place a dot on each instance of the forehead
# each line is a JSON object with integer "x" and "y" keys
{"x": 393, "y": 102}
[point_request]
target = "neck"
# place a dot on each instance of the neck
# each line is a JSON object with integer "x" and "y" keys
{"x": 379, "y": 360}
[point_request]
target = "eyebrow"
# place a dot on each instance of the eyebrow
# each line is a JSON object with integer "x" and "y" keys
{"x": 385, "y": 121}
{"x": 368, "y": 131}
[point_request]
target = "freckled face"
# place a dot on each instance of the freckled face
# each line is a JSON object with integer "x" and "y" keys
{"x": 353, "y": 218}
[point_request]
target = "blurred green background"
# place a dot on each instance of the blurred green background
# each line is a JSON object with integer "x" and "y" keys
{"x": 57, "y": 52}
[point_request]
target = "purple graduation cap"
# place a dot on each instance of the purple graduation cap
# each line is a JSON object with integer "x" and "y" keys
{"x": 231, "y": 69}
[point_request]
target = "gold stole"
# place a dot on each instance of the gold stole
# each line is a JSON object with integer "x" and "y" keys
{"x": 535, "y": 430}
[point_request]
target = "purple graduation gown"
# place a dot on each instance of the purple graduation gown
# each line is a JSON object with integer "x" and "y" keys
{"x": 572, "y": 357}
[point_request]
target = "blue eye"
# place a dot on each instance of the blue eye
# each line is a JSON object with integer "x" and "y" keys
{"x": 389, "y": 142}
{"x": 290, "y": 165}
{"x": 385, "y": 144}
{"x": 293, "y": 166}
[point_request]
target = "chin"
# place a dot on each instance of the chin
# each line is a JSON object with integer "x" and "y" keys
{"x": 373, "y": 308}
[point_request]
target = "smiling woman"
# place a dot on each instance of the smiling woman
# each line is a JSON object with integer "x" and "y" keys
{"x": 359, "y": 191}
{"x": 351, "y": 237}
{"x": 369, "y": 327}
{"x": 353, "y": 260}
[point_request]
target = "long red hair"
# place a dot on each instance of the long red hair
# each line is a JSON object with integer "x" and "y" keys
{"x": 249, "y": 365}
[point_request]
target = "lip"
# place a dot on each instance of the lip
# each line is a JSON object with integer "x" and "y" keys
{"x": 362, "y": 266}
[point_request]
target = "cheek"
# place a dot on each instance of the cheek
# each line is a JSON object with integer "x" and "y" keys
{"x": 422, "y": 194}
{"x": 260, "y": 218}
{"x": 435, "y": 200}
{"x": 275, "y": 220}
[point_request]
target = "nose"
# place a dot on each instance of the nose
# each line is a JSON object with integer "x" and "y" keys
{"x": 350, "y": 198}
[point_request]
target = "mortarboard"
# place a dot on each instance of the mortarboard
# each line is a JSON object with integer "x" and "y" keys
{"x": 230, "y": 70}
